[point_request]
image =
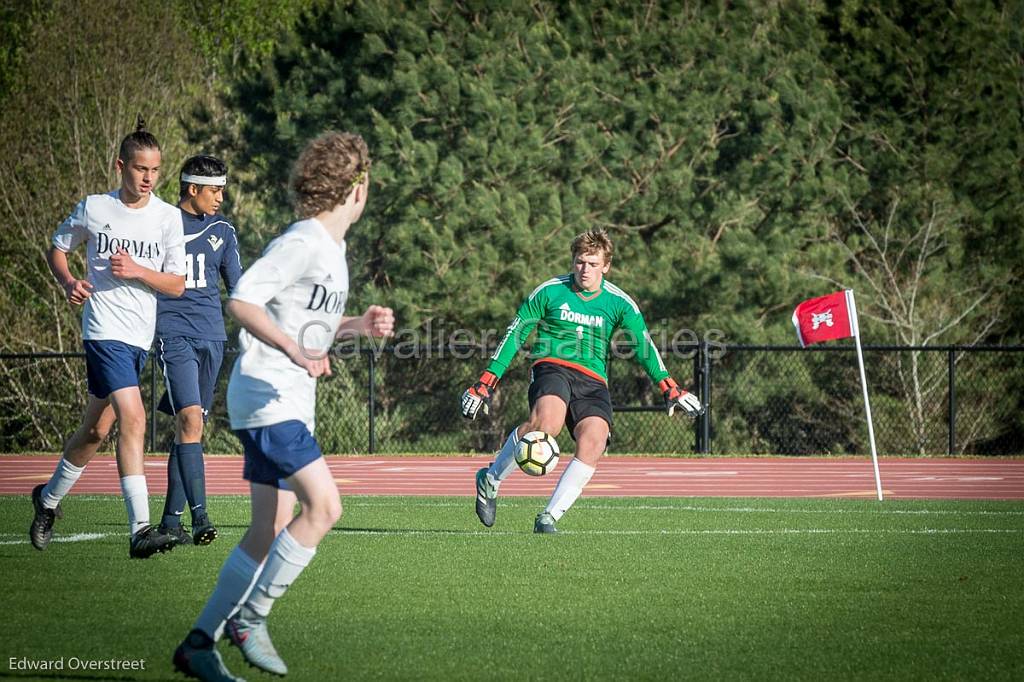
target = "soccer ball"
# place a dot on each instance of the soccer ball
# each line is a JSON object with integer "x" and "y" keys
{"x": 537, "y": 453}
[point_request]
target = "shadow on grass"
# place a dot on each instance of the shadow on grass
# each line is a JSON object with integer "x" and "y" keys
{"x": 355, "y": 530}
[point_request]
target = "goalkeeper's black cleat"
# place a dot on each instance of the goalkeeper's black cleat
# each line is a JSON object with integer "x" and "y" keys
{"x": 149, "y": 541}
{"x": 486, "y": 498}
{"x": 41, "y": 530}
{"x": 545, "y": 523}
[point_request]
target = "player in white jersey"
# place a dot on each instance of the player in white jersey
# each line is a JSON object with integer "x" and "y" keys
{"x": 290, "y": 304}
{"x": 134, "y": 247}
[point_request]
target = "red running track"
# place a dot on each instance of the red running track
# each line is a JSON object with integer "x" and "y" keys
{"x": 616, "y": 477}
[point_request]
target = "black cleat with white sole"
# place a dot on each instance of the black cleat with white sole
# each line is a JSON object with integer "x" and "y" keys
{"x": 41, "y": 530}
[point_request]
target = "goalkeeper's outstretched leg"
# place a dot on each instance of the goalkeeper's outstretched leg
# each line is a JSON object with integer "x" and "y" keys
{"x": 547, "y": 414}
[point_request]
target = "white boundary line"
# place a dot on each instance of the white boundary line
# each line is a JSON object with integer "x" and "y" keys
{"x": 706, "y": 531}
{"x": 594, "y": 504}
{"x": 352, "y": 501}
{"x": 77, "y": 537}
{"x": 86, "y": 537}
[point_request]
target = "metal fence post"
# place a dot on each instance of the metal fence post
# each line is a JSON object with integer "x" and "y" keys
{"x": 370, "y": 400}
{"x": 951, "y": 358}
{"x": 698, "y": 380}
{"x": 705, "y": 397}
{"x": 702, "y": 379}
{"x": 152, "y": 404}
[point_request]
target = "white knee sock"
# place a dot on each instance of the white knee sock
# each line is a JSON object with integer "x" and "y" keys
{"x": 505, "y": 462}
{"x": 136, "y": 500}
{"x": 285, "y": 561}
{"x": 64, "y": 476}
{"x": 569, "y": 487}
{"x": 236, "y": 578}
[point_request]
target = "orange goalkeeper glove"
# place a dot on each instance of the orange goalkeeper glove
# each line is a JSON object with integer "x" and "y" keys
{"x": 479, "y": 395}
{"x": 677, "y": 397}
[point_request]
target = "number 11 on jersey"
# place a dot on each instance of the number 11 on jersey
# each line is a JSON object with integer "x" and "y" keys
{"x": 195, "y": 271}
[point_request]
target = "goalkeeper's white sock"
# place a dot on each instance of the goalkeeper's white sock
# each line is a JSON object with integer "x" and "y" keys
{"x": 136, "y": 500}
{"x": 236, "y": 579}
{"x": 285, "y": 561}
{"x": 505, "y": 462}
{"x": 569, "y": 487}
{"x": 64, "y": 476}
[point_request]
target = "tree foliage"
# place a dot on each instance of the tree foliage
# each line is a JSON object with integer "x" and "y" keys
{"x": 702, "y": 140}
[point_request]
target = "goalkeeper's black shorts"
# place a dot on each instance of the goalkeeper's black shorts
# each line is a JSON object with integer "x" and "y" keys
{"x": 584, "y": 395}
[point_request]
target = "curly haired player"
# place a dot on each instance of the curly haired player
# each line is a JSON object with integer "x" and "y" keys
{"x": 290, "y": 304}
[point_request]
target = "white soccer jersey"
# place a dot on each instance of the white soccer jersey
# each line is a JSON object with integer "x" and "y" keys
{"x": 302, "y": 282}
{"x": 120, "y": 309}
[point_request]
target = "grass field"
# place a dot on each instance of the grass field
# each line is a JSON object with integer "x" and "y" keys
{"x": 651, "y": 588}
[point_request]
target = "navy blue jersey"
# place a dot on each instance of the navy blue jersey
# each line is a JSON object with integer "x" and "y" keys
{"x": 211, "y": 252}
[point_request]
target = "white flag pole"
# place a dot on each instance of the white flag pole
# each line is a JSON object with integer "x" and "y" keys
{"x": 855, "y": 328}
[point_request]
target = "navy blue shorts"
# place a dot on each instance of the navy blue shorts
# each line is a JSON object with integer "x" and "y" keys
{"x": 190, "y": 370}
{"x": 275, "y": 452}
{"x": 112, "y": 365}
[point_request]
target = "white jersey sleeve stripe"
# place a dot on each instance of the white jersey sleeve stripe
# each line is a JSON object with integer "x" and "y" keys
{"x": 654, "y": 349}
{"x": 554, "y": 280}
{"x": 612, "y": 289}
{"x": 512, "y": 327}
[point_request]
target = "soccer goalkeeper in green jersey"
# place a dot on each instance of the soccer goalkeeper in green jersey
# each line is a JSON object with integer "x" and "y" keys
{"x": 576, "y": 315}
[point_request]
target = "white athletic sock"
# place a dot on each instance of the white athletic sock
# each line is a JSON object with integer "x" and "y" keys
{"x": 136, "y": 500}
{"x": 569, "y": 487}
{"x": 64, "y": 476}
{"x": 285, "y": 561}
{"x": 505, "y": 462}
{"x": 236, "y": 578}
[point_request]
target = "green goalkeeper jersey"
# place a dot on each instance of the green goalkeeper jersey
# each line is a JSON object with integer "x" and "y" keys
{"x": 574, "y": 329}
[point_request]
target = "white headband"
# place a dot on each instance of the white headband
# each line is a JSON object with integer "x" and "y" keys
{"x": 218, "y": 181}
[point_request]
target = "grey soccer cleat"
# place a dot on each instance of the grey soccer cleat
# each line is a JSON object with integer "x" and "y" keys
{"x": 41, "y": 530}
{"x": 486, "y": 498}
{"x": 248, "y": 631}
{"x": 545, "y": 523}
{"x": 148, "y": 541}
{"x": 196, "y": 657}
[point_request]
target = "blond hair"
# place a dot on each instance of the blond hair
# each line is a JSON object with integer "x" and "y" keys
{"x": 590, "y": 242}
{"x": 327, "y": 171}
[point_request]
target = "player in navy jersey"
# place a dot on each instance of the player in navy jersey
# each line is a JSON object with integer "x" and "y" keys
{"x": 190, "y": 341}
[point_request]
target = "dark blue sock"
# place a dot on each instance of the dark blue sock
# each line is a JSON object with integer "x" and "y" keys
{"x": 174, "y": 503}
{"x": 193, "y": 474}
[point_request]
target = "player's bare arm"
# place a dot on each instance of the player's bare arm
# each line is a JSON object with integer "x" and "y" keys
{"x": 76, "y": 290}
{"x": 123, "y": 267}
{"x": 376, "y": 321}
{"x": 256, "y": 321}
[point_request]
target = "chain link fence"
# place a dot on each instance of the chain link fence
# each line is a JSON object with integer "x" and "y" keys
{"x": 777, "y": 400}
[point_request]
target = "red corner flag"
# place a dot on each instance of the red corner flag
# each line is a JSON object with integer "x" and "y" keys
{"x": 826, "y": 318}
{"x": 835, "y": 317}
